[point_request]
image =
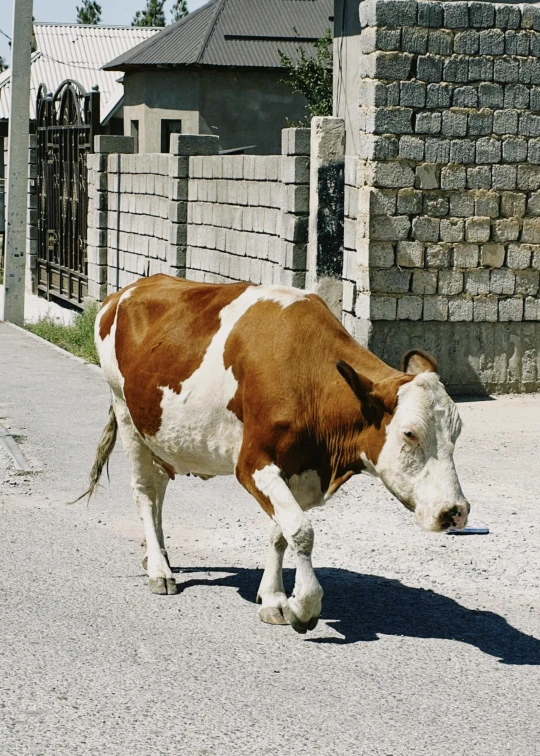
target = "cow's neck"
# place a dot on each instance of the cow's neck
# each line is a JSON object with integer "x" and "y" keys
{"x": 349, "y": 433}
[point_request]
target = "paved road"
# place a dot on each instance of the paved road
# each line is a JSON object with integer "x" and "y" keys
{"x": 429, "y": 644}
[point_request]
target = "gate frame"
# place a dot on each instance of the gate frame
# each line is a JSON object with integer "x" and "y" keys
{"x": 66, "y": 123}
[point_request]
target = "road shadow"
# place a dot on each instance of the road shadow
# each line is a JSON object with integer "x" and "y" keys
{"x": 362, "y": 607}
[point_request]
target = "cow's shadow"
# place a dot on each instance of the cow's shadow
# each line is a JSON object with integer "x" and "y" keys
{"x": 361, "y": 607}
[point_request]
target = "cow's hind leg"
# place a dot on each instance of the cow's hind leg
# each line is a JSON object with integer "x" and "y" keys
{"x": 267, "y": 485}
{"x": 161, "y": 480}
{"x": 145, "y": 494}
{"x": 271, "y": 593}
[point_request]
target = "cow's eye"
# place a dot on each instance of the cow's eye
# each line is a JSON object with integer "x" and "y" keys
{"x": 410, "y": 435}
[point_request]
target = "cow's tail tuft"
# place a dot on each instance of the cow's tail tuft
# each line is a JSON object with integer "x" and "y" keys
{"x": 104, "y": 450}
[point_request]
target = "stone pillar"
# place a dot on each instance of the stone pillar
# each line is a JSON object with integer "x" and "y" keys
{"x": 100, "y": 203}
{"x": 326, "y": 207}
{"x": 295, "y": 150}
{"x": 182, "y": 147}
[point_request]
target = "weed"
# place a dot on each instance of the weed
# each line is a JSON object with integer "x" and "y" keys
{"x": 77, "y": 338}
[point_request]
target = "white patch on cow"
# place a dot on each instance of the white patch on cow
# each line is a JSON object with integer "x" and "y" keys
{"x": 107, "y": 352}
{"x": 198, "y": 432}
{"x": 421, "y": 472}
{"x": 369, "y": 467}
{"x": 307, "y": 595}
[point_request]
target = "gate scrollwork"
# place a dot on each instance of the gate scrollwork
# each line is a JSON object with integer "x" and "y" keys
{"x": 66, "y": 123}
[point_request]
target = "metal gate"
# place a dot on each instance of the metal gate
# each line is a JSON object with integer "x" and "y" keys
{"x": 66, "y": 123}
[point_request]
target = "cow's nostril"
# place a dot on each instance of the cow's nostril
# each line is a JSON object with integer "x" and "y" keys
{"x": 447, "y": 518}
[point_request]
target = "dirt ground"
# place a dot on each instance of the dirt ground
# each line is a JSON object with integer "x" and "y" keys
{"x": 428, "y": 644}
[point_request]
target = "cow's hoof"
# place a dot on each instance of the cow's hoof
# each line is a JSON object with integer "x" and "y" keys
{"x": 296, "y": 623}
{"x": 145, "y": 560}
{"x": 272, "y": 615}
{"x": 163, "y": 586}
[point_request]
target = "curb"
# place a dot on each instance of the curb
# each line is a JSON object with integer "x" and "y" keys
{"x": 49, "y": 344}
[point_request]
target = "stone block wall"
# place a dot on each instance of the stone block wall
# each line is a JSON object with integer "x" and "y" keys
{"x": 448, "y": 181}
{"x": 234, "y": 219}
{"x": 247, "y": 216}
{"x": 197, "y": 214}
{"x": 138, "y": 188}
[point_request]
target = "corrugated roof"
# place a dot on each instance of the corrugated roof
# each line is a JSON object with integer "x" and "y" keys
{"x": 76, "y": 51}
{"x": 233, "y": 33}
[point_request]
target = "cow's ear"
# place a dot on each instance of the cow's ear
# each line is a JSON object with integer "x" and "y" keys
{"x": 361, "y": 385}
{"x": 417, "y": 361}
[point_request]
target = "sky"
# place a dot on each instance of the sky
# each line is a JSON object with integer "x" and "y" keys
{"x": 114, "y": 12}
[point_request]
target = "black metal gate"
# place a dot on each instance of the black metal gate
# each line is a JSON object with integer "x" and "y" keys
{"x": 66, "y": 123}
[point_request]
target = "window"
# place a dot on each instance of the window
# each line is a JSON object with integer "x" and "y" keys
{"x": 169, "y": 127}
{"x": 135, "y": 135}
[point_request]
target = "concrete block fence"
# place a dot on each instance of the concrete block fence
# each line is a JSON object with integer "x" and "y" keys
{"x": 247, "y": 215}
{"x": 198, "y": 214}
{"x": 442, "y": 244}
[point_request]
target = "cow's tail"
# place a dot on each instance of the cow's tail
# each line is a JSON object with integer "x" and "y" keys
{"x": 104, "y": 450}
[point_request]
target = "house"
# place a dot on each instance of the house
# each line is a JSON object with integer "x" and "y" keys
{"x": 76, "y": 51}
{"x": 218, "y": 71}
{"x": 73, "y": 51}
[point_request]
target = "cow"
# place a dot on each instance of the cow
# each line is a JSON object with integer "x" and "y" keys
{"x": 265, "y": 383}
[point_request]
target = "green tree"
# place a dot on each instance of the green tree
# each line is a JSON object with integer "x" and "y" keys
{"x": 179, "y": 10}
{"x": 311, "y": 76}
{"x": 89, "y": 12}
{"x": 152, "y": 15}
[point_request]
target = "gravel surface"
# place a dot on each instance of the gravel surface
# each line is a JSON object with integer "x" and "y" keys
{"x": 429, "y": 644}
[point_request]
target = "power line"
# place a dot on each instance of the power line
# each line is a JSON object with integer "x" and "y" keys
{"x": 5, "y": 35}
{"x": 69, "y": 63}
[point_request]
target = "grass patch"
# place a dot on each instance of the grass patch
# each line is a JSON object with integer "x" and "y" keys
{"x": 77, "y": 338}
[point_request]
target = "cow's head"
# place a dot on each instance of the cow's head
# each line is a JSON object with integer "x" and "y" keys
{"x": 421, "y": 425}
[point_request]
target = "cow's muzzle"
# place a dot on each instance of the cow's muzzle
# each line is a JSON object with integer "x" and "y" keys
{"x": 451, "y": 516}
{"x": 454, "y": 517}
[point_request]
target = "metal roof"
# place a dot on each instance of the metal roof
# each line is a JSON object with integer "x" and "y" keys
{"x": 233, "y": 33}
{"x": 77, "y": 51}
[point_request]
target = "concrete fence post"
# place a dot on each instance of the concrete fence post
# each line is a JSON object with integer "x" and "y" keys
{"x": 182, "y": 148}
{"x": 100, "y": 203}
{"x": 295, "y": 150}
{"x": 326, "y": 208}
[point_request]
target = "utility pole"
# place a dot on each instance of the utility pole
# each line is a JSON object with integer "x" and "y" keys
{"x": 17, "y": 184}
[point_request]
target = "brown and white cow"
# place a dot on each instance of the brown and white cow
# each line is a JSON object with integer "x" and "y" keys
{"x": 264, "y": 382}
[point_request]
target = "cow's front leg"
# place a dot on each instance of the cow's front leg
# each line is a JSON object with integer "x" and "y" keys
{"x": 271, "y": 593}
{"x": 267, "y": 485}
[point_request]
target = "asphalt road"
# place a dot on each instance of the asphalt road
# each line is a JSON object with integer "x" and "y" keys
{"x": 429, "y": 644}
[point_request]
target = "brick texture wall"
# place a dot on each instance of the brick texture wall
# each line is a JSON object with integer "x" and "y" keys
{"x": 247, "y": 218}
{"x": 138, "y": 227}
{"x": 207, "y": 217}
{"x": 448, "y": 227}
